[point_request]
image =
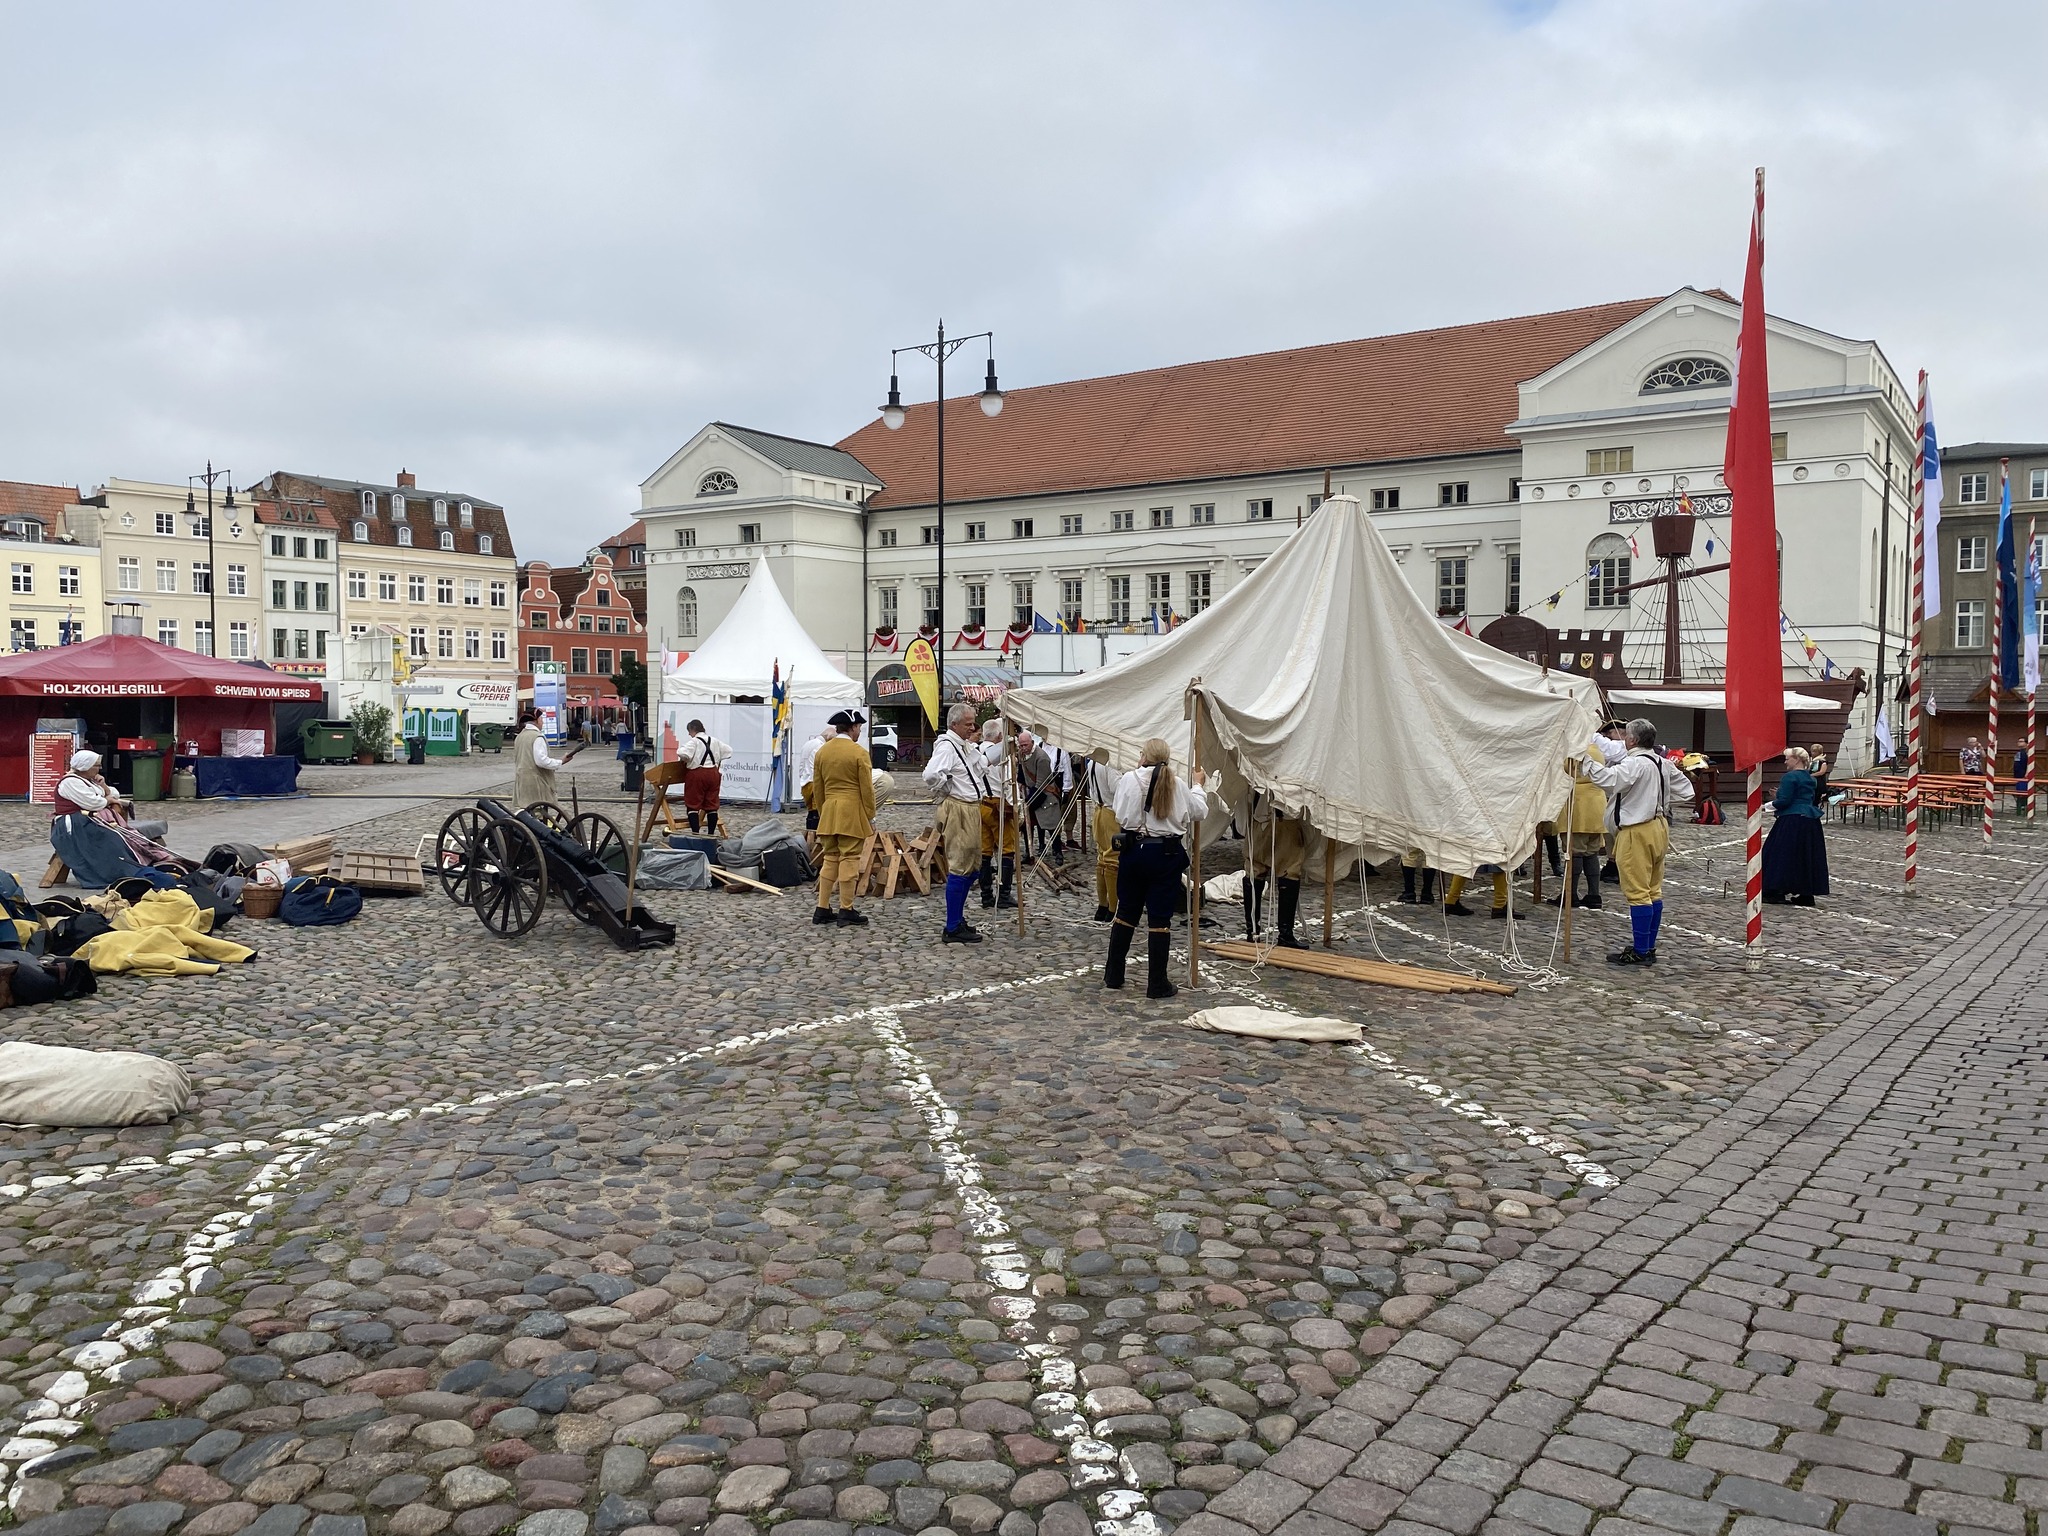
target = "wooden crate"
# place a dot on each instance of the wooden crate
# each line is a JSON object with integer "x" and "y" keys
{"x": 394, "y": 872}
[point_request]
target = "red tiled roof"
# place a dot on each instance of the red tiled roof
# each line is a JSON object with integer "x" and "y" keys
{"x": 18, "y": 498}
{"x": 1415, "y": 395}
{"x": 635, "y": 534}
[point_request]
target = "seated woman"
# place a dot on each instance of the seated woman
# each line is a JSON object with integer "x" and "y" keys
{"x": 84, "y": 790}
{"x": 1796, "y": 852}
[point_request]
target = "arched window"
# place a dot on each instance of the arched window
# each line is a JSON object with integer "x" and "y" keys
{"x": 686, "y": 613}
{"x": 405, "y": 534}
{"x": 398, "y": 506}
{"x": 362, "y": 533}
{"x": 718, "y": 483}
{"x": 369, "y": 503}
{"x": 1607, "y": 572}
{"x": 447, "y": 539}
{"x": 1687, "y": 373}
{"x": 484, "y": 543}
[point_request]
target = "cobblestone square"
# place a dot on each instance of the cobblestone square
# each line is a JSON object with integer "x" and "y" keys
{"x": 837, "y": 1229}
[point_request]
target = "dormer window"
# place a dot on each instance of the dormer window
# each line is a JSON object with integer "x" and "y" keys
{"x": 397, "y": 506}
{"x": 467, "y": 514}
{"x": 440, "y": 510}
{"x": 718, "y": 483}
{"x": 1686, "y": 373}
{"x": 369, "y": 503}
{"x": 447, "y": 539}
{"x": 405, "y": 534}
{"x": 483, "y": 543}
{"x": 362, "y": 533}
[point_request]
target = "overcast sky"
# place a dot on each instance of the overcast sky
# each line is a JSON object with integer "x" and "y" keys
{"x": 525, "y": 250}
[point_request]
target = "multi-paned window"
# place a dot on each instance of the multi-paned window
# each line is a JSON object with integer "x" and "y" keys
{"x": 1450, "y": 584}
{"x": 238, "y": 581}
{"x": 885, "y": 609}
{"x": 278, "y": 590}
{"x": 416, "y": 589}
{"x": 167, "y": 575}
{"x": 1162, "y": 517}
{"x": 1070, "y": 600}
{"x": 1607, "y": 572}
{"x": 977, "y": 605}
{"x": 1454, "y": 493}
{"x": 500, "y": 645}
{"x": 301, "y": 594}
{"x": 166, "y": 631}
{"x": 1202, "y": 513}
{"x": 202, "y": 577}
{"x": 686, "y": 538}
{"x": 472, "y": 593}
{"x": 387, "y": 586}
{"x": 1119, "y": 599}
{"x": 498, "y": 594}
{"x": 1973, "y": 488}
{"x": 535, "y": 654}
{"x": 444, "y": 590}
{"x": 928, "y": 604}
{"x": 1610, "y": 461}
{"x": 1970, "y": 624}
{"x": 358, "y": 583}
{"x": 1122, "y": 522}
{"x": 280, "y": 645}
{"x": 202, "y": 636}
{"x": 2037, "y": 485}
{"x": 21, "y": 634}
{"x": 885, "y": 538}
{"x": 416, "y": 642}
{"x": 1023, "y": 603}
{"x": 1972, "y": 552}
{"x": 472, "y": 645}
{"x": 977, "y": 532}
{"x": 444, "y": 644}
{"x": 1514, "y": 604}
{"x": 67, "y": 581}
{"x": 604, "y": 663}
{"x": 579, "y": 661}
{"x": 167, "y": 522}
{"x": 1020, "y": 527}
{"x": 238, "y": 640}
{"x": 1387, "y": 499}
{"x": 1259, "y": 511}
{"x": 1070, "y": 522}
{"x": 1158, "y": 594}
{"x": 1198, "y": 592}
{"x": 321, "y": 591}
{"x": 128, "y": 574}
{"x": 22, "y": 577}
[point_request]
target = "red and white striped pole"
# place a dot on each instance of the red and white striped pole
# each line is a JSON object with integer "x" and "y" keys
{"x": 1753, "y": 888}
{"x": 1997, "y": 671}
{"x": 1915, "y": 519}
{"x": 2028, "y": 786}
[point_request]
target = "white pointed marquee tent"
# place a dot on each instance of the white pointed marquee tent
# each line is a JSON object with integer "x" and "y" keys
{"x": 726, "y": 684}
{"x": 1322, "y": 681}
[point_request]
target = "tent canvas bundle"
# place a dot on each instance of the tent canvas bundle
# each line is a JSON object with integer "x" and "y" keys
{"x": 726, "y": 682}
{"x": 1322, "y": 682}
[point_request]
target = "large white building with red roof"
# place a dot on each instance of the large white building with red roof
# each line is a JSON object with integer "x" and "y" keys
{"x": 1511, "y": 465}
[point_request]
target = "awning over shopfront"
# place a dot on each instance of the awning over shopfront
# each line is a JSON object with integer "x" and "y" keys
{"x": 890, "y": 685}
{"x": 130, "y": 667}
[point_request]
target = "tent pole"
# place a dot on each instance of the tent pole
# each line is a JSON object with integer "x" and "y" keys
{"x": 1568, "y": 902}
{"x": 1195, "y": 839}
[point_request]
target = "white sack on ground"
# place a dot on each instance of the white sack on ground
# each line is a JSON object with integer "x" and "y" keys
{"x": 56, "y": 1085}
{"x": 1228, "y": 887}
{"x": 1328, "y": 685}
{"x": 1270, "y": 1024}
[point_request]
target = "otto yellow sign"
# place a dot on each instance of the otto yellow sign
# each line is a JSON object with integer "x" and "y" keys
{"x": 923, "y": 666}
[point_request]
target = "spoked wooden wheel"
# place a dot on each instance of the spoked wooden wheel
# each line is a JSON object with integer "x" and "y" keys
{"x": 601, "y": 835}
{"x": 455, "y": 851}
{"x": 549, "y": 815}
{"x": 508, "y": 879}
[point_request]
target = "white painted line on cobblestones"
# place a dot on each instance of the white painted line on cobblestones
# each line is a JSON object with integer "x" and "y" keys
{"x": 1775, "y": 954}
{"x": 1564, "y": 1151}
{"x": 1835, "y": 913}
{"x": 1092, "y": 1461}
{"x": 325, "y": 1131}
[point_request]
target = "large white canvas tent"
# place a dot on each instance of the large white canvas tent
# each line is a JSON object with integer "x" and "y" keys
{"x": 737, "y": 662}
{"x": 1322, "y": 681}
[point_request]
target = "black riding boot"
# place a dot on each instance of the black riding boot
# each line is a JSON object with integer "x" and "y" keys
{"x": 1588, "y": 866}
{"x": 1119, "y": 950}
{"x": 1254, "y": 890}
{"x": 1407, "y": 884}
{"x": 1157, "y": 983}
{"x": 1008, "y": 898}
{"x": 988, "y": 881}
{"x": 1550, "y": 852}
{"x": 1429, "y": 887}
{"x": 1290, "y": 902}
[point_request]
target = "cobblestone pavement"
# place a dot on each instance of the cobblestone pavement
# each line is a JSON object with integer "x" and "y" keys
{"x": 836, "y": 1228}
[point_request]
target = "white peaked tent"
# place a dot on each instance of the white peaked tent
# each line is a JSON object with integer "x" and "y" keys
{"x": 1323, "y": 682}
{"x": 740, "y": 657}
{"x": 738, "y": 661}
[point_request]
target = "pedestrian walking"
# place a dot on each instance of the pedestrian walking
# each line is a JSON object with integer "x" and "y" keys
{"x": 843, "y": 787}
{"x": 1796, "y": 852}
{"x": 1153, "y": 811}
{"x": 704, "y": 757}
{"x": 958, "y": 776}
{"x": 1646, "y": 787}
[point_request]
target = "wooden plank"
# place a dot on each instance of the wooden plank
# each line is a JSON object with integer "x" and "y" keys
{"x": 1412, "y": 978}
{"x": 918, "y": 870}
{"x": 896, "y": 863}
{"x": 56, "y": 874}
{"x": 380, "y": 872}
{"x": 306, "y": 855}
{"x": 741, "y": 882}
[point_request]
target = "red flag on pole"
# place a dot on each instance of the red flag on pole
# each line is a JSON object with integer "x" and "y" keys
{"x": 1756, "y": 675}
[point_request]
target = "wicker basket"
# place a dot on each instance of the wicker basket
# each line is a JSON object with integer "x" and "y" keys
{"x": 261, "y": 900}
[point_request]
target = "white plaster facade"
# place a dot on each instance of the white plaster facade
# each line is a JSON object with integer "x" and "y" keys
{"x": 1524, "y": 524}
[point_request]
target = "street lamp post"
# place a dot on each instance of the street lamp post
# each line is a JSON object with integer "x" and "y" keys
{"x": 212, "y": 561}
{"x": 892, "y": 416}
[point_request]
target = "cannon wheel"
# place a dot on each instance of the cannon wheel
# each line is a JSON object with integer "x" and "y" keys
{"x": 602, "y": 836}
{"x": 508, "y": 879}
{"x": 549, "y": 815}
{"x": 455, "y": 851}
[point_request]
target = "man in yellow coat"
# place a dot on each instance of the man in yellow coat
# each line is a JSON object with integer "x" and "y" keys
{"x": 843, "y": 789}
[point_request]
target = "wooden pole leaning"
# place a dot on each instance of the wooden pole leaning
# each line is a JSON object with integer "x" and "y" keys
{"x": 1194, "y": 838}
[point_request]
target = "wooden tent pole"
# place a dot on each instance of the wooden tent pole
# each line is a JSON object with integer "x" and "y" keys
{"x": 1329, "y": 890}
{"x": 1568, "y": 902}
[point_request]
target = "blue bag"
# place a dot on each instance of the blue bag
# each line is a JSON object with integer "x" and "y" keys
{"x": 318, "y": 901}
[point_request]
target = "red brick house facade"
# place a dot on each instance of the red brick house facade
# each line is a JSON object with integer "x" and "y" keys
{"x": 582, "y": 618}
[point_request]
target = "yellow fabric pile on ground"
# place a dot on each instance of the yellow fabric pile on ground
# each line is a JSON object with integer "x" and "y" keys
{"x": 164, "y": 934}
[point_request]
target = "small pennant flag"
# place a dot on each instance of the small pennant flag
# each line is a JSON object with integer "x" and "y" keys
{"x": 1710, "y": 544}
{"x": 1634, "y": 548}
{"x": 1553, "y": 600}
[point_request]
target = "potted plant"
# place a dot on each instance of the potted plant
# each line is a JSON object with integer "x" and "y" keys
{"x": 373, "y": 732}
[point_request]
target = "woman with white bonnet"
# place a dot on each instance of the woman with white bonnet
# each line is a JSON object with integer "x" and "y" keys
{"x": 85, "y": 791}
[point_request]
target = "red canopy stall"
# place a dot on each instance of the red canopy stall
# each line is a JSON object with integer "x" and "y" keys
{"x": 124, "y": 686}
